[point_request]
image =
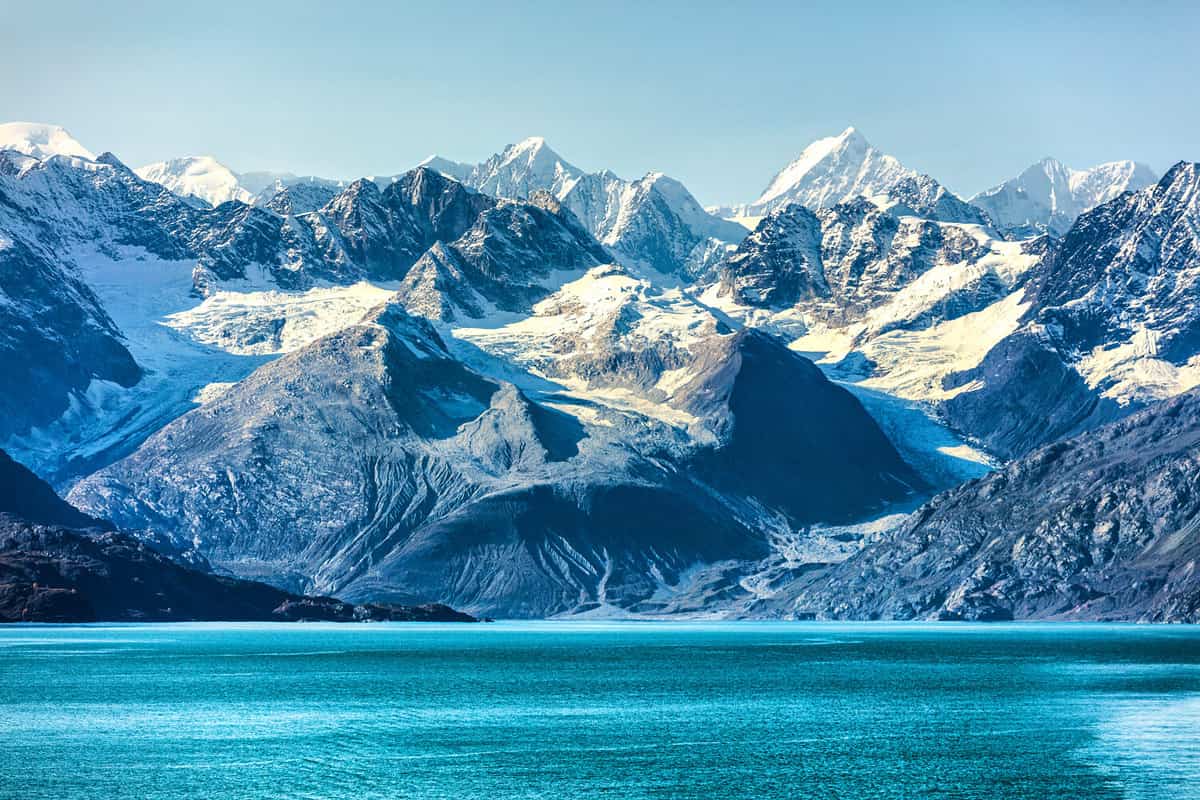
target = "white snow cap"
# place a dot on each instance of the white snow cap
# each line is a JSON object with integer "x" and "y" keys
{"x": 40, "y": 140}
{"x": 832, "y": 170}
{"x": 197, "y": 176}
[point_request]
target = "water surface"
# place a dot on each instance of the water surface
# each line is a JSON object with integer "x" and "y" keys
{"x": 568, "y": 710}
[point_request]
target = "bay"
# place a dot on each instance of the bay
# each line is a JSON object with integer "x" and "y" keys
{"x": 596, "y": 709}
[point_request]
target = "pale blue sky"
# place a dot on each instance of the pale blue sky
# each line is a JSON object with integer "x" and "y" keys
{"x": 718, "y": 95}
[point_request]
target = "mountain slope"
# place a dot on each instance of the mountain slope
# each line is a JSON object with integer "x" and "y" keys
{"x": 1103, "y": 526}
{"x": 25, "y": 495}
{"x": 194, "y": 289}
{"x": 374, "y": 464}
{"x": 1049, "y": 196}
{"x": 55, "y": 338}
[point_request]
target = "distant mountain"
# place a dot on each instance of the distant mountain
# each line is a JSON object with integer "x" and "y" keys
{"x": 1049, "y": 196}
{"x": 40, "y": 141}
{"x": 205, "y": 179}
{"x": 838, "y": 169}
{"x": 201, "y": 177}
{"x": 451, "y": 169}
{"x": 1105, "y": 526}
{"x": 654, "y": 221}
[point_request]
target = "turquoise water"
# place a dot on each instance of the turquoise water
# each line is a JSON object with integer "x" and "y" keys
{"x": 574, "y": 710}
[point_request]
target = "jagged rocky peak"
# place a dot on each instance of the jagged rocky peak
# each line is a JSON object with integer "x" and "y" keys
{"x": 39, "y": 140}
{"x": 505, "y": 258}
{"x": 779, "y": 263}
{"x": 451, "y": 169}
{"x": 1049, "y": 196}
{"x": 448, "y": 205}
{"x": 1112, "y": 323}
{"x": 844, "y": 261}
{"x": 653, "y": 221}
{"x": 300, "y": 197}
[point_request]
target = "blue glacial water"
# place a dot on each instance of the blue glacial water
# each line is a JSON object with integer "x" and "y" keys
{"x": 576, "y": 710}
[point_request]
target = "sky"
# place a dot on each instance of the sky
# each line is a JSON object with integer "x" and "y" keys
{"x": 718, "y": 95}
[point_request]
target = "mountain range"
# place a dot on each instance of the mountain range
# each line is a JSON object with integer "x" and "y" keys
{"x": 523, "y": 389}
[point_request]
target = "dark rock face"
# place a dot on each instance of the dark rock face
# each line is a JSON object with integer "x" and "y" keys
{"x": 923, "y": 196}
{"x": 53, "y": 574}
{"x": 793, "y": 439}
{"x": 1105, "y": 526}
{"x": 25, "y": 495}
{"x": 1052, "y": 402}
{"x": 1126, "y": 258}
{"x": 779, "y": 263}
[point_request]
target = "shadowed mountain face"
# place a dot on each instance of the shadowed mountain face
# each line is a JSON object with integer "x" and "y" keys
{"x": 1105, "y": 526}
{"x": 795, "y": 440}
{"x": 54, "y": 338}
{"x": 28, "y": 497}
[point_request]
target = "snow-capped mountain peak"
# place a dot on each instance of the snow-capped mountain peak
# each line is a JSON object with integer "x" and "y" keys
{"x": 832, "y": 170}
{"x": 849, "y": 141}
{"x": 523, "y": 168}
{"x": 40, "y": 140}
{"x": 202, "y": 177}
{"x": 1049, "y": 195}
{"x": 451, "y": 169}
